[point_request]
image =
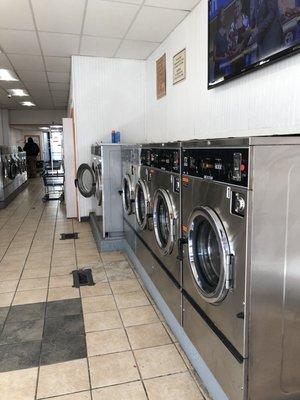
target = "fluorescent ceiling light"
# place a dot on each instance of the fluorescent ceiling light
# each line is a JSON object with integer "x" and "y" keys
{"x": 27, "y": 103}
{"x": 44, "y": 128}
{"x": 56, "y": 126}
{"x": 18, "y": 92}
{"x": 7, "y": 75}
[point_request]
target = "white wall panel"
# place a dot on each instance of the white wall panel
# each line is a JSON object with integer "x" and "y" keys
{"x": 263, "y": 102}
{"x": 107, "y": 94}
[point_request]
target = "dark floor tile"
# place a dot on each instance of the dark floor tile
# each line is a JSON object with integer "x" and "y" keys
{"x": 63, "y": 349}
{"x": 63, "y": 307}
{"x": 19, "y": 356}
{"x": 64, "y": 325}
{"x": 26, "y": 312}
{"x": 3, "y": 314}
{"x": 23, "y": 331}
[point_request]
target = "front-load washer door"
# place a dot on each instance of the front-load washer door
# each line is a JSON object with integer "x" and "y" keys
{"x": 86, "y": 180}
{"x": 127, "y": 195}
{"x": 164, "y": 218}
{"x": 99, "y": 185}
{"x": 12, "y": 170}
{"x": 142, "y": 204}
{"x": 210, "y": 257}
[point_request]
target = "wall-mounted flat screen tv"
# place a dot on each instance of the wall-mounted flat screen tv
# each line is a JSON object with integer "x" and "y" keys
{"x": 246, "y": 34}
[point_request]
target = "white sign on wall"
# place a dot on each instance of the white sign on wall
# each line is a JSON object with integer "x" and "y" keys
{"x": 179, "y": 67}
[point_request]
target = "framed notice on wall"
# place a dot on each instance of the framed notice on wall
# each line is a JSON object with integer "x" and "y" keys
{"x": 179, "y": 67}
{"x": 161, "y": 77}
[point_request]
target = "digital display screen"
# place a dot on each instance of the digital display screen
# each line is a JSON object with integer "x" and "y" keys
{"x": 245, "y": 34}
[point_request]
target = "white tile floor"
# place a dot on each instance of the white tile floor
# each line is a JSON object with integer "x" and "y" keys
{"x": 131, "y": 354}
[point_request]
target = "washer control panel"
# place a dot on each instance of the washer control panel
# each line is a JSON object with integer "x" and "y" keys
{"x": 226, "y": 165}
{"x": 161, "y": 158}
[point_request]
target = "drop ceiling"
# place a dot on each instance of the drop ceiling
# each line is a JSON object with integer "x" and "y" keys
{"x": 38, "y": 37}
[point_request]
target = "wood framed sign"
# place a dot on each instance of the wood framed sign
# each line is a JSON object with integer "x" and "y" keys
{"x": 161, "y": 77}
{"x": 179, "y": 67}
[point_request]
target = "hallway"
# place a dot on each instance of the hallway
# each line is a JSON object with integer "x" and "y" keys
{"x": 101, "y": 342}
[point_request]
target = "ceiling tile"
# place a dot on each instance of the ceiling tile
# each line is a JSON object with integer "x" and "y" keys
{"x": 58, "y": 64}
{"x": 63, "y": 16}
{"x": 33, "y": 76}
{"x": 58, "y": 44}
{"x": 59, "y": 86}
{"x": 154, "y": 24}
{"x": 40, "y": 92}
{"x": 23, "y": 62}
{"x": 16, "y": 14}
{"x": 4, "y": 62}
{"x": 96, "y": 46}
{"x": 128, "y": 1}
{"x": 36, "y": 86}
{"x": 58, "y": 76}
{"x": 108, "y": 19}
{"x": 58, "y": 97}
{"x": 12, "y": 85}
{"x": 19, "y": 42}
{"x": 136, "y": 49}
{"x": 175, "y": 4}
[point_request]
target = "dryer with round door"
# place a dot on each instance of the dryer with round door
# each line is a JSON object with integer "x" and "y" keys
{"x": 100, "y": 181}
{"x": 166, "y": 192}
{"x": 130, "y": 161}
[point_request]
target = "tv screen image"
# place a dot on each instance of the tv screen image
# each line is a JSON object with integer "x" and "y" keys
{"x": 245, "y": 34}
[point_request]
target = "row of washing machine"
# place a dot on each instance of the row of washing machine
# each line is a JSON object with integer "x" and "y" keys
{"x": 216, "y": 225}
{"x": 13, "y": 173}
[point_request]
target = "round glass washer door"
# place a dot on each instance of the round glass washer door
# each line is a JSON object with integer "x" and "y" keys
{"x": 127, "y": 195}
{"x": 164, "y": 220}
{"x": 142, "y": 204}
{"x": 86, "y": 181}
{"x": 209, "y": 255}
{"x": 99, "y": 187}
{"x": 12, "y": 169}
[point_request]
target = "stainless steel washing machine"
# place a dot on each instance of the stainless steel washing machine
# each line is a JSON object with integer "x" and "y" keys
{"x": 130, "y": 168}
{"x": 144, "y": 212}
{"x": 166, "y": 192}
{"x": 13, "y": 173}
{"x": 101, "y": 181}
{"x": 241, "y": 224}
{"x": 157, "y": 200}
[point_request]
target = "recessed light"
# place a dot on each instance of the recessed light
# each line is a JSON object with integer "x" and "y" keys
{"x": 18, "y": 92}
{"x": 7, "y": 75}
{"x": 27, "y": 103}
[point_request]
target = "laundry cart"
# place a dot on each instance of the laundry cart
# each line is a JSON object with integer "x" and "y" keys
{"x": 54, "y": 185}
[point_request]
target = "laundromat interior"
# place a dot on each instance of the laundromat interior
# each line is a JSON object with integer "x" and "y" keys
{"x": 149, "y": 200}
